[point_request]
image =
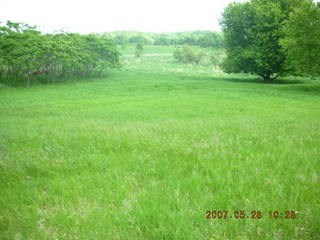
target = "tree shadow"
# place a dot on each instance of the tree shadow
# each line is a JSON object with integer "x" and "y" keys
{"x": 249, "y": 79}
{"x": 301, "y": 84}
{"x": 238, "y": 79}
{"x": 287, "y": 81}
{"x": 313, "y": 88}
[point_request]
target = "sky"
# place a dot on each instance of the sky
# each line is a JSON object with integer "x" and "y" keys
{"x": 87, "y": 16}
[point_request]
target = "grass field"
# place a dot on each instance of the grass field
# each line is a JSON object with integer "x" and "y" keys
{"x": 146, "y": 151}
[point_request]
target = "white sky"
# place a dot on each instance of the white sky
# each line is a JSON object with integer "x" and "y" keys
{"x": 109, "y": 15}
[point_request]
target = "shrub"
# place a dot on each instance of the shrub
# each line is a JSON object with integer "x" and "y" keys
{"x": 28, "y": 56}
{"x": 188, "y": 54}
{"x": 139, "y": 50}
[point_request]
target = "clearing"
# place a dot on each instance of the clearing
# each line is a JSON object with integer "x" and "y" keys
{"x": 146, "y": 151}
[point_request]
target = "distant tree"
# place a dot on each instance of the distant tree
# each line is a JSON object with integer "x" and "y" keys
{"x": 252, "y": 32}
{"x": 210, "y": 39}
{"x": 121, "y": 40}
{"x": 141, "y": 38}
{"x": 139, "y": 50}
{"x": 164, "y": 39}
{"x": 199, "y": 38}
{"x": 302, "y": 39}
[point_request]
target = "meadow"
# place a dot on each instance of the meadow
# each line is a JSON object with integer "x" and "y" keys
{"x": 145, "y": 152}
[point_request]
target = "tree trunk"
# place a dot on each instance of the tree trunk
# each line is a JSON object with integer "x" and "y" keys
{"x": 269, "y": 78}
{"x": 27, "y": 82}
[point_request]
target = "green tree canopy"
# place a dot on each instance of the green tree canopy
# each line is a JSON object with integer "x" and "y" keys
{"x": 252, "y": 32}
{"x": 199, "y": 38}
{"x": 302, "y": 39}
{"x": 26, "y": 54}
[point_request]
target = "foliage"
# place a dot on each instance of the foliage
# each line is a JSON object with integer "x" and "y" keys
{"x": 302, "y": 39}
{"x": 252, "y": 33}
{"x": 188, "y": 54}
{"x": 26, "y": 55}
{"x": 198, "y": 38}
{"x": 196, "y": 55}
{"x": 139, "y": 50}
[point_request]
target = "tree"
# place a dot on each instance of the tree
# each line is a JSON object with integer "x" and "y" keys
{"x": 139, "y": 50}
{"x": 302, "y": 39}
{"x": 27, "y": 56}
{"x": 252, "y": 32}
{"x": 199, "y": 38}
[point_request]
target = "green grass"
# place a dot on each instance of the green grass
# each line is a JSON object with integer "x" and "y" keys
{"x": 145, "y": 152}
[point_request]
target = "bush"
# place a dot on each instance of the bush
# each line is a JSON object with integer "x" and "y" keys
{"x": 139, "y": 50}
{"x": 27, "y": 56}
{"x": 189, "y": 54}
{"x": 215, "y": 59}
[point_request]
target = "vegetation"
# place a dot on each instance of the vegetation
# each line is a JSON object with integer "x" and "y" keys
{"x": 144, "y": 153}
{"x": 195, "y": 38}
{"x": 301, "y": 42}
{"x": 27, "y": 56}
{"x": 252, "y": 37}
{"x": 189, "y": 54}
{"x": 139, "y": 50}
{"x": 148, "y": 151}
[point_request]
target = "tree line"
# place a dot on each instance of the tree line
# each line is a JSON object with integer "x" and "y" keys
{"x": 196, "y": 38}
{"x": 272, "y": 38}
{"x": 28, "y": 56}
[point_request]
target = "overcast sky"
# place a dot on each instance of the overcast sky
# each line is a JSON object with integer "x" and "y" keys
{"x": 86, "y": 16}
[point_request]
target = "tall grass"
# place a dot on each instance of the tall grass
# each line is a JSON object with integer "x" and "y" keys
{"x": 144, "y": 153}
